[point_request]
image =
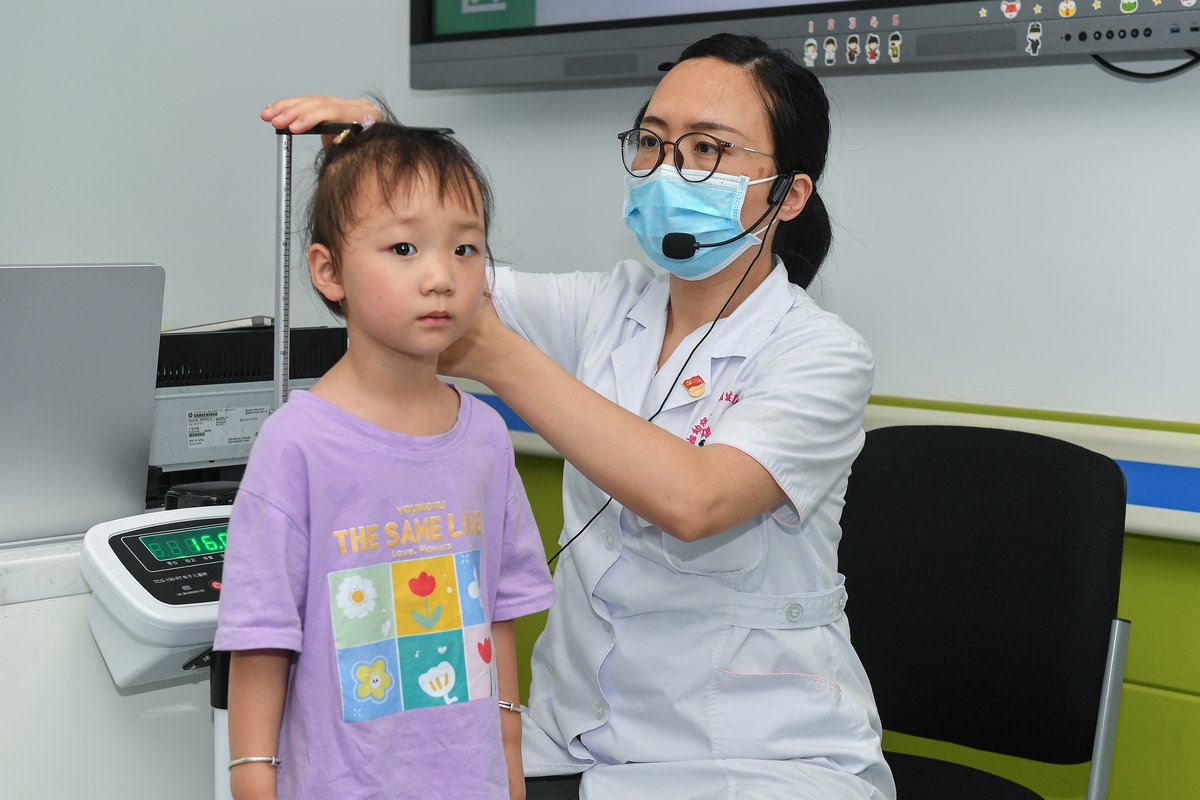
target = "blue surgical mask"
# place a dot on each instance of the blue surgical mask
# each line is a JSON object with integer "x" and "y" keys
{"x": 711, "y": 210}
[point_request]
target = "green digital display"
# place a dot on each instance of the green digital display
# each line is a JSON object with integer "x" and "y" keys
{"x": 173, "y": 545}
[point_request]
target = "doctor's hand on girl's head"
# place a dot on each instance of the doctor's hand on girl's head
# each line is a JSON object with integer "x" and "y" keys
{"x": 299, "y": 114}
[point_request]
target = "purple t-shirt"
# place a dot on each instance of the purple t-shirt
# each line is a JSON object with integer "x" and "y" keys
{"x": 382, "y": 559}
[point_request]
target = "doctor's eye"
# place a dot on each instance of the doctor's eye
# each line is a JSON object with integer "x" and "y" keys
{"x": 649, "y": 140}
{"x": 404, "y": 249}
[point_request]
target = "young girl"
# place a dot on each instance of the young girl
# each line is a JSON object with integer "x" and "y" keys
{"x": 381, "y": 542}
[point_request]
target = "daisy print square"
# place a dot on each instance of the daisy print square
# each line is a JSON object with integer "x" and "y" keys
{"x": 361, "y": 605}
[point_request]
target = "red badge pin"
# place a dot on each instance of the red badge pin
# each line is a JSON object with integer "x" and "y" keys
{"x": 694, "y": 385}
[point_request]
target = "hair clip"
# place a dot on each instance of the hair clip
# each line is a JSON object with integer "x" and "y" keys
{"x": 367, "y": 122}
{"x": 342, "y": 136}
{"x": 665, "y": 66}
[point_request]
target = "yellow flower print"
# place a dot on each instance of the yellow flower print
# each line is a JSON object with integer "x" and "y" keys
{"x": 373, "y": 680}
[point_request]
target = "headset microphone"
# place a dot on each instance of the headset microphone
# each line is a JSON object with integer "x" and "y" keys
{"x": 681, "y": 246}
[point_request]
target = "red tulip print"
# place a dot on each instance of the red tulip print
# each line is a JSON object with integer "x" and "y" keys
{"x": 422, "y": 585}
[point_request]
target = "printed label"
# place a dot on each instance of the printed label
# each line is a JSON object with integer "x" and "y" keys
{"x": 223, "y": 427}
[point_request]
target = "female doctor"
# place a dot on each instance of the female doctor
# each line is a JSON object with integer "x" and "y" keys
{"x": 708, "y": 417}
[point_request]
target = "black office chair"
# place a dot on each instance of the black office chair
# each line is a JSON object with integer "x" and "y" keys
{"x": 983, "y": 569}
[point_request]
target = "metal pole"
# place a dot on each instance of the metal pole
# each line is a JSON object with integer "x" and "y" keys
{"x": 283, "y": 253}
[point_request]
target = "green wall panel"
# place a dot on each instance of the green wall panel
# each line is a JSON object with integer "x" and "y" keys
{"x": 543, "y": 483}
{"x": 1158, "y": 746}
{"x": 1160, "y": 595}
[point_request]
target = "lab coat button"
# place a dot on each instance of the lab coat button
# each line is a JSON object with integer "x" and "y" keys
{"x": 608, "y": 627}
{"x": 610, "y": 541}
{"x": 794, "y": 612}
{"x": 599, "y": 709}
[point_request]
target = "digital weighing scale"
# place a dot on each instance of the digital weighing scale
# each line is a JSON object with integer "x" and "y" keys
{"x": 155, "y": 580}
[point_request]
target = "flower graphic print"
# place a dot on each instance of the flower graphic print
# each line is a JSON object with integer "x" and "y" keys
{"x": 439, "y": 682}
{"x": 412, "y": 633}
{"x": 374, "y": 680}
{"x": 356, "y": 596}
{"x": 423, "y": 586}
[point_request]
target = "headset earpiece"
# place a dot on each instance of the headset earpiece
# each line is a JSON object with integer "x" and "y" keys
{"x": 780, "y": 187}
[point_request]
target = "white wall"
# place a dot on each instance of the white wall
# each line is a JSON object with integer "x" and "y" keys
{"x": 1019, "y": 237}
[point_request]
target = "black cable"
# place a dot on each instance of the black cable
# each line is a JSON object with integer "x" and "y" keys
{"x": 1147, "y": 76}
{"x": 671, "y": 386}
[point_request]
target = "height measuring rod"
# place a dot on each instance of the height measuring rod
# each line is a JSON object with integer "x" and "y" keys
{"x": 283, "y": 266}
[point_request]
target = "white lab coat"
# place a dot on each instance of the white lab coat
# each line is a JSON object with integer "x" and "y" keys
{"x": 720, "y": 668}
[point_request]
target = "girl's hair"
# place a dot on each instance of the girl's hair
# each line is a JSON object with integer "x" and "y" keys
{"x": 798, "y": 111}
{"x": 395, "y": 157}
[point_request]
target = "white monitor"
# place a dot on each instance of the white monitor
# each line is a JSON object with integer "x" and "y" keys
{"x": 78, "y": 357}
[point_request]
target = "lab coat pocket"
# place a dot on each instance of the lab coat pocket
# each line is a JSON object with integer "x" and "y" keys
{"x": 735, "y": 551}
{"x": 776, "y": 693}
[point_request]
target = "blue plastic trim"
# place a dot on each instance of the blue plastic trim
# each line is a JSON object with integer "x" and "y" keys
{"x": 1162, "y": 485}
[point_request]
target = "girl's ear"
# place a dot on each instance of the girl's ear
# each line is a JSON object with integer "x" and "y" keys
{"x": 324, "y": 273}
{"x": 796, "y": 198}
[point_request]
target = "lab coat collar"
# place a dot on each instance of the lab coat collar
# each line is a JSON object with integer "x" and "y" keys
{"x": 634, "y": 359}
{"x": 741, "y": 333}
{"x": 738, "y": 335}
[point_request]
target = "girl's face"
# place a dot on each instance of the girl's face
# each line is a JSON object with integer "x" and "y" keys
{"x": 412, "y": 270}
{"x": 711, "y": 96}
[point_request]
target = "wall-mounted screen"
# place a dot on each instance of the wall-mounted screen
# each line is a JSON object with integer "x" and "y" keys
{"x": 479, "y": 43}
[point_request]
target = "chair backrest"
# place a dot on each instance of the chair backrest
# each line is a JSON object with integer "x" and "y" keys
{"x": 983, "y": 569}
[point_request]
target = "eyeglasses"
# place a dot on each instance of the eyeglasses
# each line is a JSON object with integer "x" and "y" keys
{"x": 642, "y": 152}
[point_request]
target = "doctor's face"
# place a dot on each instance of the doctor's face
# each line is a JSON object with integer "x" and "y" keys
{"x": 708, "y": 95}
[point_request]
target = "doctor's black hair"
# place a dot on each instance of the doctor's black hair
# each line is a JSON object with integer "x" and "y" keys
{"x": 798, "y": 111}
{"x": 395, "y": 157}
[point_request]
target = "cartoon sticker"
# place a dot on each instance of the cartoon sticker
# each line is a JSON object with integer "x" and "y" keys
{"x": 810, "y": 52}
{"x": 1033, "y": 38}
{"x": 1129, "y": 6}
{"x": 852, "y": 49}
{"x": 811, "y": 24}
{"x": 694, "y": 385}
{"x": 874, "y": 22}
{"x": 1066, "y": 8}
{"x": 1188, "y": 3}
{"x": 982, "y": 12}
{"x": 853, "y": 23}
{"x": 872, "y": 48}
{"x": 830, "y": 51}
{"x": 1010, "y": 8}
{"x": 894, "y": 40}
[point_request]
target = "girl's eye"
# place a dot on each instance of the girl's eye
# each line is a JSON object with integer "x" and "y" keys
{"x": 466, "y": 250}
{"x": 404, "y": 249}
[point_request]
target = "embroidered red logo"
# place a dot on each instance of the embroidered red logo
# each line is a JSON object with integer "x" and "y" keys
{"x": 731, "y": 397}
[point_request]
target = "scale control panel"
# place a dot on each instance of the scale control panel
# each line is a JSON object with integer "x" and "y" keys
{"x": 173, "y": 564}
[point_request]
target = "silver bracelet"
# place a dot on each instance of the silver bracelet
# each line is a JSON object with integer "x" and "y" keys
{"x": 271, "y": 761}
{"x": 507, "y": 706}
